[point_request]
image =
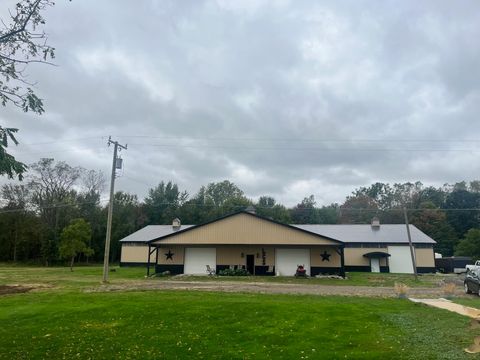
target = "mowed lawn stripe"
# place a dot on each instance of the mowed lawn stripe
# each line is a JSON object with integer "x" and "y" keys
{"x": 207, "y": 325}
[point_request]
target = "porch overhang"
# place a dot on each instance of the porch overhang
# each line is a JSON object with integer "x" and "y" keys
{"x": 376, "y": 255}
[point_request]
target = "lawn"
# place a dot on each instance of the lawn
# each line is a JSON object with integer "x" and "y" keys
{"x": 62, "y": 277}
{"x": 65, "y": 320}
{"x": 471, "y": 300}
{"x": 91, "y": 275}
{"x": 180, "y": 325}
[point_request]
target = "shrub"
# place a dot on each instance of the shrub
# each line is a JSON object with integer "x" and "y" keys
{"x": 162, "y": 274}
{"x": 233, "y": 272}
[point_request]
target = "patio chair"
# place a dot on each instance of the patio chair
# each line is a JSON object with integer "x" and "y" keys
{"x": 210, "y": 271}
{"x": 269, "y": 270}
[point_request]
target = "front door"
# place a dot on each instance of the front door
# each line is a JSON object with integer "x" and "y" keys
{"x": 251, "y": 264}
{"x": 375, "y": 265}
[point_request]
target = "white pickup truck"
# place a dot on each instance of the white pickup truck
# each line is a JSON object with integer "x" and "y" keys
{"x": 471, "y": 267}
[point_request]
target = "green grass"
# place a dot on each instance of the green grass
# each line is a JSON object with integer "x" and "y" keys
{"x": 82, "y": 276}
{"x": 181, "y": 325}
{"x": 91, "y": 275}
{"x": 65, "y": 321}
{"x": 471, "y": 300}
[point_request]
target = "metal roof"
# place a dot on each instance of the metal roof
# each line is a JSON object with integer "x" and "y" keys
{"x": 346, "y": 233}
{"x": 386, "y": 233}
{"x": 152, "y": 232}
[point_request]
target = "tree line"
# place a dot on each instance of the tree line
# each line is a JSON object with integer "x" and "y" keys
{"x": 56, "y": 213}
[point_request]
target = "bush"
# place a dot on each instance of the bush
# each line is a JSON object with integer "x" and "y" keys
{"x": 162, "y": 274}
{"x": 233, "y": 272}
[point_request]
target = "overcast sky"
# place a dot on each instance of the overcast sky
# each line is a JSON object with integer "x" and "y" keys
{"x": 284, "y": 98}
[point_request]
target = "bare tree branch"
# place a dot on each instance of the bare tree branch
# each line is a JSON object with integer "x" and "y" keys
{"x": 5, "y": 37}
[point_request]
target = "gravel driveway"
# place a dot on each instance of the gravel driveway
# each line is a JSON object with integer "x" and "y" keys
{"x": 272, "y": 288}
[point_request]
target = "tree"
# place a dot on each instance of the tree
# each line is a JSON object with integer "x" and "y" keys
{"x": 433, "y": 222}
{"x": 21, "y": 43}
{"x": 212, "y": 201}
{"x": 220, "y": 192}
{"x": 268, "y": 207}
{"x": 433, "y": 195}
{"x": 8, "y": 165}
{"x": 305, "y": 212}
{"x": 88, "y": 200}
{"x": 470, "y": 245}
{"x": 381, "y": 194}
{"x": 163, "y": 202}
{"x": 232, "y": 205}
{"x": 462, "y": 220}
{"x": 54, "y": 195}
{"x": 74, "y": 240}
{"x": 358, "y": 209}
{"x": 21, "y": 228}
{"x": 328, "y": 214}
{"x": 127, "y": 218}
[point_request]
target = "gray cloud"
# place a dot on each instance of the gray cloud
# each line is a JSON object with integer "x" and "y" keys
{"x": 279, "y": 97}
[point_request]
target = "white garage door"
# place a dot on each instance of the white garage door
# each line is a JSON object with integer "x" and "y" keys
{"x": 287, "y": 260}
{"x": 197, "y": 259}
{"x": 400, "y": 260}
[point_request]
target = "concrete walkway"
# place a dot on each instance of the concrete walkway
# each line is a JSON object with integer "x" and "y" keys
{"x": 450, "y": 306}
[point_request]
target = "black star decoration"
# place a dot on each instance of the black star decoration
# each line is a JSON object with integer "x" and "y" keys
{"x": 325, "y": 256}
{"x": 169, "y": 255}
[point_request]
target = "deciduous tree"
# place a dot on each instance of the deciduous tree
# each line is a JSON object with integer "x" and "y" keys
{"x": 268, "y": 207}
{"x": 74, "y": 240}
{"x": 470, "y": 245}
{"x": 8, "y": 165}
{"x": 54, "y": 195}
{"x": 22, "y": 41}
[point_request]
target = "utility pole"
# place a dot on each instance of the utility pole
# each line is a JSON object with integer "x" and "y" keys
{"x": 106, "y": 258}
{"x": 412, "y": 251}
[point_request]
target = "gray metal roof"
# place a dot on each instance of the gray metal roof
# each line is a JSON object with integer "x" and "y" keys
{"x": 152, "y": 232}
{"x": 386, "y": 233}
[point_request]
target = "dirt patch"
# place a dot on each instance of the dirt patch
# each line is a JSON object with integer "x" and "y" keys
{"x": 475, "y": 347}
{"x": 267, "y": 288}
{"x": 13, "y": 289}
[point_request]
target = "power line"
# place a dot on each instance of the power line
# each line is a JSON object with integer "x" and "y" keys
{"x": 254, "y": 147}
{"x": 299, "y": 139}
{"x": 316, "y": 149}
{"x": 65, "y": 140}
{"x": 54, "y": 151}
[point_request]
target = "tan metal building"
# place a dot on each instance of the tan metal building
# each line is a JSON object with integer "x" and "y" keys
{"x": 266, "y": 247}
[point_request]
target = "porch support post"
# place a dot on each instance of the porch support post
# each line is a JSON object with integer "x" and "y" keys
{"x": 340, "y": 252}
{"x": 156, "y": 259}
{"x": 148, "y": 260}
{"x": 342, "y": 261}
